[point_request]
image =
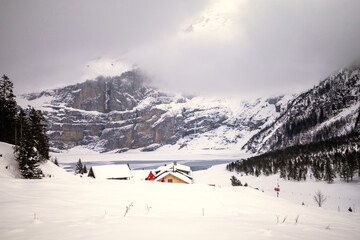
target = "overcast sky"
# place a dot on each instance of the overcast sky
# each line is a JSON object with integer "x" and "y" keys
{"x": 245, "y": 47}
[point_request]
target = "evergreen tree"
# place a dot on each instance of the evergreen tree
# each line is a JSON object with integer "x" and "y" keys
{"x": 283, "y": 172}
{"x": 79, "y": 167}
{"x": 235, "y": 181}
{"x": 38, "y": 128}
{"x": 257, "y": 172}
{"x": 322, "y": 115}
{"x": 329, "y": 172}
{"x": 84, "y": 171}
{"x": 348, "y": 166}
{"x": 25, "y": 152}
{"x": 56, "y": 162}
{"x": 7, "y": 111}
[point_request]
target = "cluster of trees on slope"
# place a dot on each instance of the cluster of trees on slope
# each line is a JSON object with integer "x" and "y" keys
{"x": 321, "y": 160}
{"x": 26, "y": 129}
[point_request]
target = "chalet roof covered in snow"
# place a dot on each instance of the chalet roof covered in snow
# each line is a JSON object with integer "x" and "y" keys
{"x": 140, "y": 174}
{"x": 174, "y": 167}
{"x": 179, "y": 171}
{"x": 121, "y": 171}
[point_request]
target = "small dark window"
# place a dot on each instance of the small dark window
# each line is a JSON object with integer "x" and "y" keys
{"x": 170, "y": 180}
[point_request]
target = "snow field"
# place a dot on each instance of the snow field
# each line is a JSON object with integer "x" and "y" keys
{"x": 65, "y": 206}
{"x": 340, "y": 195}
{"x": 94, "y": 209}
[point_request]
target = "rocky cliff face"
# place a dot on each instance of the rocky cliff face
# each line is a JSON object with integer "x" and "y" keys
{"x": 124, "y": 112}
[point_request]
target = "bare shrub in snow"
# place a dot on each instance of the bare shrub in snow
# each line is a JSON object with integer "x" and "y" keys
{"x": 147, "y": 208}
{"x": 128, "y": 208}
{"x": 319, "y": 198}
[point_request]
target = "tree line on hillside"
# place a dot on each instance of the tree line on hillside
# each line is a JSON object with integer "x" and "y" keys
{"x": 321, "y": 161}
{"x": 24, "y": 128}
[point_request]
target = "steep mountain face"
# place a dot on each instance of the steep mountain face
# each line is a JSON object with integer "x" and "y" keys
{"x": 124, "y": 112}
{"x": 329, "y": 110}
{"x": 103, "y": 95}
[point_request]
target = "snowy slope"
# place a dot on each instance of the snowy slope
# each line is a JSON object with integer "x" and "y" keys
{"x": 68, "y": 207}
{"x": 340, "y": 195}
{"x": 96, "y": 209}
{"x": 9, "y": 167}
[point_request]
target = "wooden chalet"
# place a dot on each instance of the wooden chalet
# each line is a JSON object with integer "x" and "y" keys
{"x": 174, "y": 173}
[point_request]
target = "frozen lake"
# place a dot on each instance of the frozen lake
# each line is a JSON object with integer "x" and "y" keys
{"x": 195, "y": 165}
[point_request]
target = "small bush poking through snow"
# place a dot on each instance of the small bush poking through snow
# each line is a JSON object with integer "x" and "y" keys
{"x": 319, "y": 198}
{"x": 128, "y": 208}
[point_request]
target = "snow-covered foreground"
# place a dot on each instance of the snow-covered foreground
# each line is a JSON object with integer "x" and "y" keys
{"x": 68, "y": 207}
{"x": 61, "y": 208}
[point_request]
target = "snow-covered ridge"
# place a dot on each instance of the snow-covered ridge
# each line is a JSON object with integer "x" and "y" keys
{"x": 329, "y": 110}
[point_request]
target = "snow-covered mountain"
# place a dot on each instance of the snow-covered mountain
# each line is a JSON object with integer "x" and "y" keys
{"x": 330, "y": 109}
{"x": 125, "y": 112}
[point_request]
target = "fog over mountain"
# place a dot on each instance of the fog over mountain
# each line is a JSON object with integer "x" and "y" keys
{"x": 222, "y": 47}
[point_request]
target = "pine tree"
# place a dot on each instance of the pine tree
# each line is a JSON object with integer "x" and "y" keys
{"x": 25, "y": 152}
{"x": 7, "y": 111}
{"x": 79, "y": 167}
{"x": 283, "y": 172}
{"x": 38, "y": 128}
{"x": 84, "y": 170}
{"x": 56, "y": 162}
{"x": 257, "y": 172}
{"x": 235, "y": 181}
{"x": 329, "y": 172}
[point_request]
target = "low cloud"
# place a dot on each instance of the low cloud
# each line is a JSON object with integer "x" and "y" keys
{"x": 227, "y": 47}
{"x": 260, "y": 47}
